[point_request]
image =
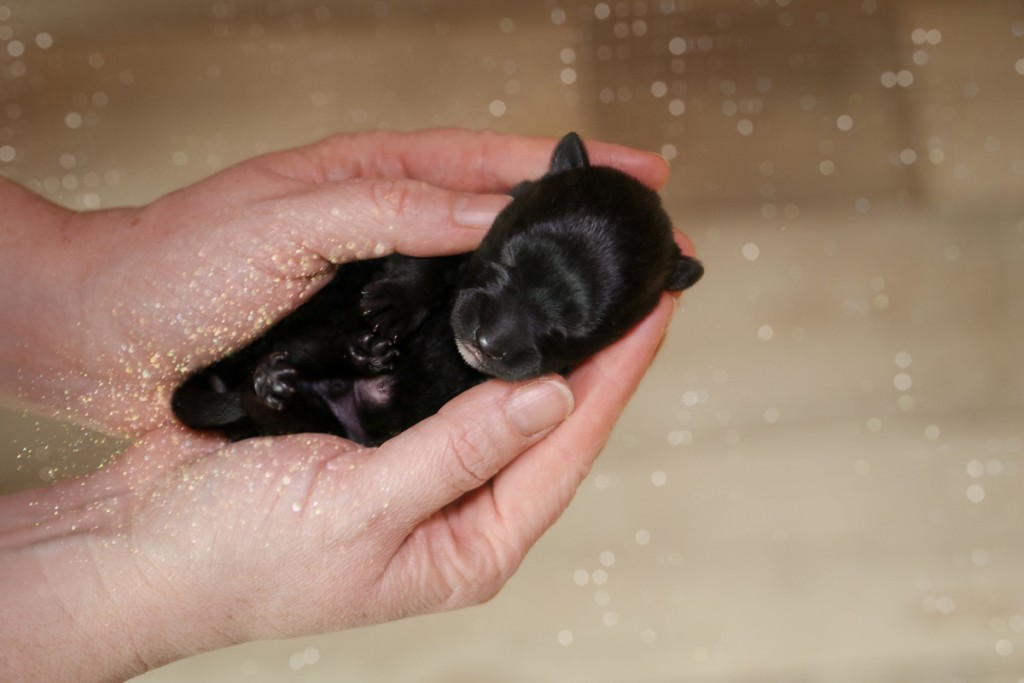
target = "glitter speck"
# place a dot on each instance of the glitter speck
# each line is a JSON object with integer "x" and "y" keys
{"x": 975, "y": 493}
{"x": 497, "y": 108}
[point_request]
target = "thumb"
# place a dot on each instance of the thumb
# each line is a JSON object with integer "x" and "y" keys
{"x": 468, "y": 442}
{"x": 356, "y": 219}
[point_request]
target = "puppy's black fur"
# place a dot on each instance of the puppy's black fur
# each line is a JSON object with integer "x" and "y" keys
{"x": 576, "y": 259}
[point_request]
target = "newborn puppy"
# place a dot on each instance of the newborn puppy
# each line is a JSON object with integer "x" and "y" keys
{"x": 576, "y": 259}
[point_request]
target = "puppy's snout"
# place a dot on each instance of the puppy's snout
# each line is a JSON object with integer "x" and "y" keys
{"x": 494, "y": 333}
{"x": 486, "y": 343}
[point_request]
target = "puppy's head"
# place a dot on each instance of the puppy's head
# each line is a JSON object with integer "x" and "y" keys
{"x": 524, "y": 297}
{"x": 575, "y": 259}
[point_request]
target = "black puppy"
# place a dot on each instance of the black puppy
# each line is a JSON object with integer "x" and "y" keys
{"x": 576, "y": 259}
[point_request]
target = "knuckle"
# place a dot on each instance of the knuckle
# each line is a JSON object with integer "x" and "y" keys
{"x": 397, "y": 199}
{"x": 469, "y": 454}
{"x": 479, "y": 573}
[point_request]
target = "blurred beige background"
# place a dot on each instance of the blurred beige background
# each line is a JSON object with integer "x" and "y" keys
{"x": 821, "y": 478}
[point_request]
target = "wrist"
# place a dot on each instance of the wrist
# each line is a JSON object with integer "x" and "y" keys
{"x": 61, "y": 580}
{"x": 80, "y": 600}
{"x": 33, "y": 283}
{"x": 46, "y": 256}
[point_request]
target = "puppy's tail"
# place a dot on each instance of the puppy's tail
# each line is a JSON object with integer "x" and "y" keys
{"x": 203, "y": 408}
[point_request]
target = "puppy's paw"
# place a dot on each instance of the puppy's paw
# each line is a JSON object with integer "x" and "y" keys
{"x": 372, "y": 353}
{"x": 391, "y": 308}
{"x": 275, "y": 380}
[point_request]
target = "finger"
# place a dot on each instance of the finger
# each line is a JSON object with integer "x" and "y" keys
{"x": 359, "y": 219}
{"x": 468, "y": 442}
{"x": 685, "y": 243}
{"x": 532, "y": 492}
{"x": 466, "y": 161}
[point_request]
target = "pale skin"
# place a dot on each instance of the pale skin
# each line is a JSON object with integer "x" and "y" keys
{"x": 186, "y": 543}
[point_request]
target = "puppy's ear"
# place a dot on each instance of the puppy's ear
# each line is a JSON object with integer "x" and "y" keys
{"x": 569, "y": 154}
{"x": 686, "y": 272}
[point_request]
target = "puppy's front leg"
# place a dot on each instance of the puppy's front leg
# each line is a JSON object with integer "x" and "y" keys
{"x": 395, "y": 304}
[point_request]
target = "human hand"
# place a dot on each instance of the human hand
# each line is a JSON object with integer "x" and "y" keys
{"x": 185, "y": 544}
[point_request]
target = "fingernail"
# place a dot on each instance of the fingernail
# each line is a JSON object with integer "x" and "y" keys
{"x": 479, "y": 210}
{"x": 538, "y": 406}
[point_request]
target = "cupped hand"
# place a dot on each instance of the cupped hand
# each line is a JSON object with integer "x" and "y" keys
{"x": 187, "y": 544}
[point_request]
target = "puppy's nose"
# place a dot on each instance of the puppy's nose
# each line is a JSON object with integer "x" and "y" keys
{"x": 485, "y": 343}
